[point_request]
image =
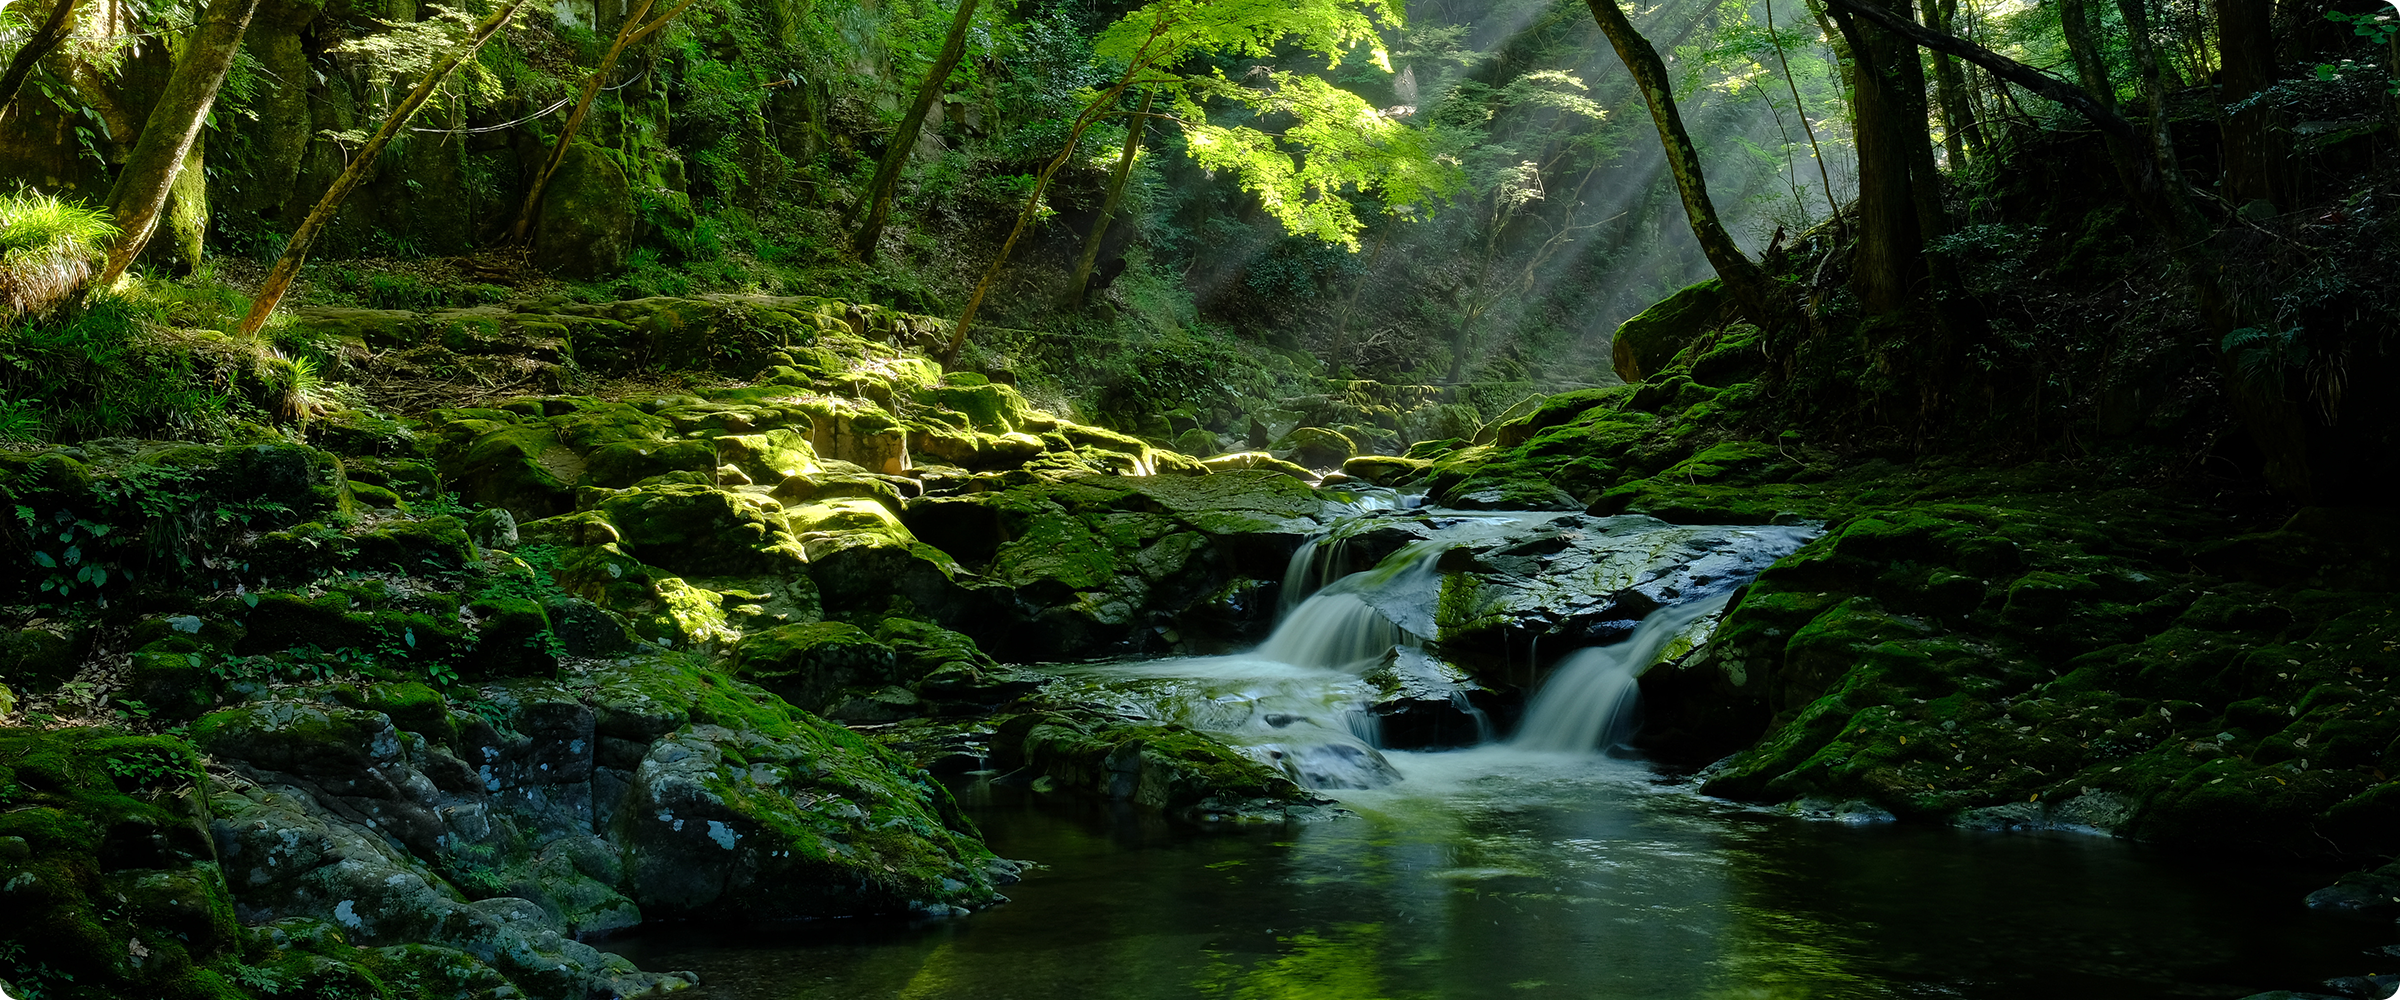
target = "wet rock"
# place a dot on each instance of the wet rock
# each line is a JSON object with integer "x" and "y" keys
{"x": 1425, "y": 703}
{"x": 2369, "y": 893}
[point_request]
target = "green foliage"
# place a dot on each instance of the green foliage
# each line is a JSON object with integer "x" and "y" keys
{"x": 48, "y": 248}
{"x": 2263, "y": 354}
{"x": 1343, "y": 144}
{"x": 146, "y": 518}
{"x": 2379, "y": 28}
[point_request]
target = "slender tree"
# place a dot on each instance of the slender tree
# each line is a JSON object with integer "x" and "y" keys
{"x": 295, "y": 252}
{"x": 140, "y": 194}
{"x": 1756, "y": 293}
{"x": 1960, "y": 136}
{"x": 876, "y": 209}
{"x": 1090, "y": 257}
{"x": 2075, "y": 25}
{"x": 632, "y": 33}
{"x": 53, "y": 31}
{"x": 1815, "y": 152}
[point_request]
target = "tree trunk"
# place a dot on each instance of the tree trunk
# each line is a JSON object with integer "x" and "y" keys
{"x": 1960, "y": 136}
{"x": 1084, "y": 262}
{"x": 54, "y": 30}
{"x": 295, "y": 252}
{"x": 2075, "y": 23}
{"x": 2255, "y": 164}
{"x": 1891, "y": 256}
{"x": 1760, "y": 300}
{"x": 2154, "y": 88}
{"x": 140, "y": 193}
{"x": 632, "y": 33}
{"x": 878, "y": 207}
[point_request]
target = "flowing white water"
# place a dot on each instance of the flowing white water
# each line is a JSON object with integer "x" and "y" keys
{"x": 1590, "y": 699}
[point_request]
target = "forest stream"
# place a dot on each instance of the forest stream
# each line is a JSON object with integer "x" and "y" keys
{"x": 1535, "y": 864}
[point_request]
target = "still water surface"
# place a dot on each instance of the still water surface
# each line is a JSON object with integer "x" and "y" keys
{"x": 1502, "y": 873}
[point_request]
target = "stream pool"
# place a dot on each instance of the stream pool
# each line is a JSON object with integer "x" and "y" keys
{"x": 1504, "y": 873}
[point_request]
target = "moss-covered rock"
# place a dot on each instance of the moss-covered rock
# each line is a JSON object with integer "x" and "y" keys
{"x": 1647, "y": 342}
{"x": 1167, "y": 768}
{"x": 1315, "y": 448}
{"x": 585, "y": 227}
{"x": 809, "y": 664}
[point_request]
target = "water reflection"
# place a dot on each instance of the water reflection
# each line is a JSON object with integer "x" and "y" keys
{"x": 1501, "y": 873}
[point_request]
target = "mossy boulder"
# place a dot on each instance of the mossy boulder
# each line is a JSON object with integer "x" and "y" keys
{"x": 748, "y": 810}
{"x": 1645, "y": 344}
{"x": 1246, "y": 461}
{"x": 1166, "y": 768}
{"x": 105, "y": 871}
{"x": 1384, "y": 470}
{"x": 809, "y": 664}
{"x": 585, "y": 227}
{"x": 704, "y": 530}
{"x": 1315, "y": 448}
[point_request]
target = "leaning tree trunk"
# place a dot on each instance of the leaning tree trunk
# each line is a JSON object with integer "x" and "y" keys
{"x": 54, "y": 30}
{"x": 1750, "y": 286}
{"x": 633, "y": 33}
{"x": 295, "y": 252}
{"x": 877, "y": 208}
{"x": 1084, "y": 262}
{"x": 140, "y": 193}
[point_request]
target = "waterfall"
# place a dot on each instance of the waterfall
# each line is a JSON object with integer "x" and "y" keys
{"x": 1335, "y": 630}
{"x": 1589, "y": 700}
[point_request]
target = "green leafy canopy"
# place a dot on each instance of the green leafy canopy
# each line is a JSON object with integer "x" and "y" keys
{"x": 1335, "y": 143}
{"x": 1342, "y": 144}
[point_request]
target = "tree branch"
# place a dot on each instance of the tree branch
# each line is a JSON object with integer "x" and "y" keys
{"x": 2001, "y": 66}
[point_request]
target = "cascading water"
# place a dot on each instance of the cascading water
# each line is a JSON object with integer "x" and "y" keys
{"x": 1590, "y": 699}
{"x": 1306, "y": 700}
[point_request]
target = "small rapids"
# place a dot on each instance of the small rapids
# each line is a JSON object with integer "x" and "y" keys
{"x": 1309, "y": 700}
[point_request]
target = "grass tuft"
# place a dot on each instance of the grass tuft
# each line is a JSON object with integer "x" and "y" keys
{"x": 48, "y": 249}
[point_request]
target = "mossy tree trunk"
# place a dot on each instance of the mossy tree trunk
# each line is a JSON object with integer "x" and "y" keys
{"x": 140, "y": 194}
{"x": 1090, "y": 257}
{"x": 54, "y": 30}
{"x": 632, "y": 33}
{"x": 295, "y": 252}
{"x": 1760, "y": 300}
{"x": 876, "y": 209}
